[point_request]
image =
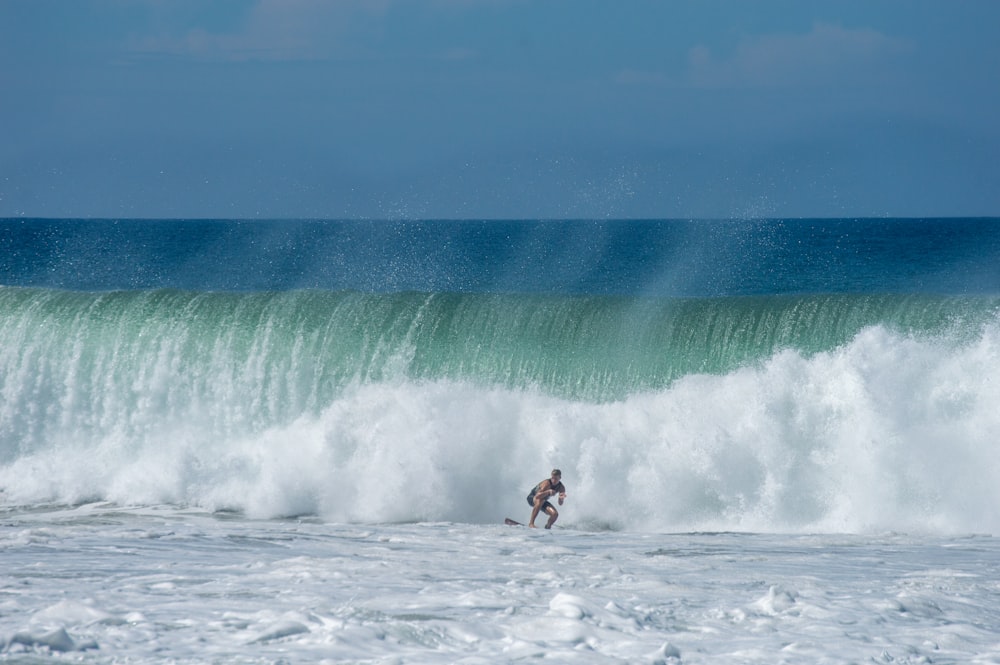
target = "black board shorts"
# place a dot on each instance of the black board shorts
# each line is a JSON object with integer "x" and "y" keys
{"x": 545, "y": 506}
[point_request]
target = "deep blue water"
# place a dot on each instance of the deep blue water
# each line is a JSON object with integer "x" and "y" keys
{"x": 655, "y": 258}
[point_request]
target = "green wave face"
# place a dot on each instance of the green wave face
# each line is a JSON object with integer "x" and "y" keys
{"x": 285, "y": 353}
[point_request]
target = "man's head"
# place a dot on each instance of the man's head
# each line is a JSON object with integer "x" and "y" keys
{"x": 556, "y": 475}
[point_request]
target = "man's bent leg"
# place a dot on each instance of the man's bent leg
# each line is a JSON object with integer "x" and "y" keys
{"x": 534, "y": 511}
{"x": 553, "y": 516}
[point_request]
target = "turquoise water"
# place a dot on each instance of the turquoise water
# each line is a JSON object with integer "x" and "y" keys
{"x": 303, "y": 347}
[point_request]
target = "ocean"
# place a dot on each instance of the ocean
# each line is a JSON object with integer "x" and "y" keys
{"x": 297, "y": 440}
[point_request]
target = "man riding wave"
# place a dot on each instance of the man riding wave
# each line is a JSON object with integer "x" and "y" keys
{"x": 538, "y": 499}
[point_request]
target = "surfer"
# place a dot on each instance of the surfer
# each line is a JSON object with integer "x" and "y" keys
{"x": 539, "y": 498}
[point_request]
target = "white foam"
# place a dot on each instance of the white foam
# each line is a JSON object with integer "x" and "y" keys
{"x": 158, "y": 584}
{"x": 56, "y": 640}
{"x": 72, "y": 613}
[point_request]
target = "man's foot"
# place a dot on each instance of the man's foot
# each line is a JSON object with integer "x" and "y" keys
{"x": 533, "y": 526}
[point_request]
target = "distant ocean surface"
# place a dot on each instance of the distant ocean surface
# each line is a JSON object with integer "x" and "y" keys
{"x": 771, "y": 375}
{"x": 295, "y": 442}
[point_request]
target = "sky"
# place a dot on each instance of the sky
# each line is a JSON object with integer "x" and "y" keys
{"x": 481, "y": 109}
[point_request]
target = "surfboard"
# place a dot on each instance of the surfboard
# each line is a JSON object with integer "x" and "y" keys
{"x": 509, "y": 522}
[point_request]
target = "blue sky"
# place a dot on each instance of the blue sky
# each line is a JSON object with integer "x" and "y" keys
{"x": 499, "y": 108}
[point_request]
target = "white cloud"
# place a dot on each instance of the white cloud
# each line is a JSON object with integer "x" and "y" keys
{"x": 272, "y": 30}
{"x": 828, "y": 53}
{"x": 290, "y": 30}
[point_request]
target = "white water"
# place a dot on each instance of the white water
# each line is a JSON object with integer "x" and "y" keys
{"x": 106, "y": 585}
{"x": 885, "y": 433}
